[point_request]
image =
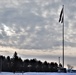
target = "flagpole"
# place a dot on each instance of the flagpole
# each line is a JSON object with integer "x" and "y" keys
{"x": 63, "y": 36}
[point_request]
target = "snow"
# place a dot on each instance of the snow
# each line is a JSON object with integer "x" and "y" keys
{"x": 34, "y": 73}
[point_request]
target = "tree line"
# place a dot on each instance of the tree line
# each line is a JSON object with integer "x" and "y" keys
{"x": 16, "y": 64}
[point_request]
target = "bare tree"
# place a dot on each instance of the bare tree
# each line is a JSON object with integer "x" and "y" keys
{"x": 70, "y": 67}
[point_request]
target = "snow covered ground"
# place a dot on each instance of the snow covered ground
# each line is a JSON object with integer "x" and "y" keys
{"x": 29, "y": 73}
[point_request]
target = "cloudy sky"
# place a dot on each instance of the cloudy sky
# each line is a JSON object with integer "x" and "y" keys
{"x": 31, "y": 28}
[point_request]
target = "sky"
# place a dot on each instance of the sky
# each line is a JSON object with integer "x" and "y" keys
{"x": 31, "y": 28}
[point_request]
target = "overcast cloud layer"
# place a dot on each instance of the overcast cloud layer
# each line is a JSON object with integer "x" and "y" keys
{"x": 33, "y": 24}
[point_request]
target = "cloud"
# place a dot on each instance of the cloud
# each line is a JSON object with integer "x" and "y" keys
{"x": 27, "y": 24}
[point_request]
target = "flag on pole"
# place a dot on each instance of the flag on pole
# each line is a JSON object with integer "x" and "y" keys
{"x": 61, "y": 20}
{"x": 61, "y": 16}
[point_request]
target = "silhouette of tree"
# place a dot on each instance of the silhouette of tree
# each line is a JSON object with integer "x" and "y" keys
{"x": 60, "y": 65}
{"x": 45, "y": 67}
{"x": 33, "y": 64}
{"x": 26, "y": 65}
{"x": 39, "y": 66}
{"x": 53, "y": 67}
{"x": 2, "y": 63}
{"x": 16, "y": 64}
{"x": 8, "y": 63}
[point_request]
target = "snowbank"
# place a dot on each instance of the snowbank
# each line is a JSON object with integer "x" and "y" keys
{"x": 31, "y": 73}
